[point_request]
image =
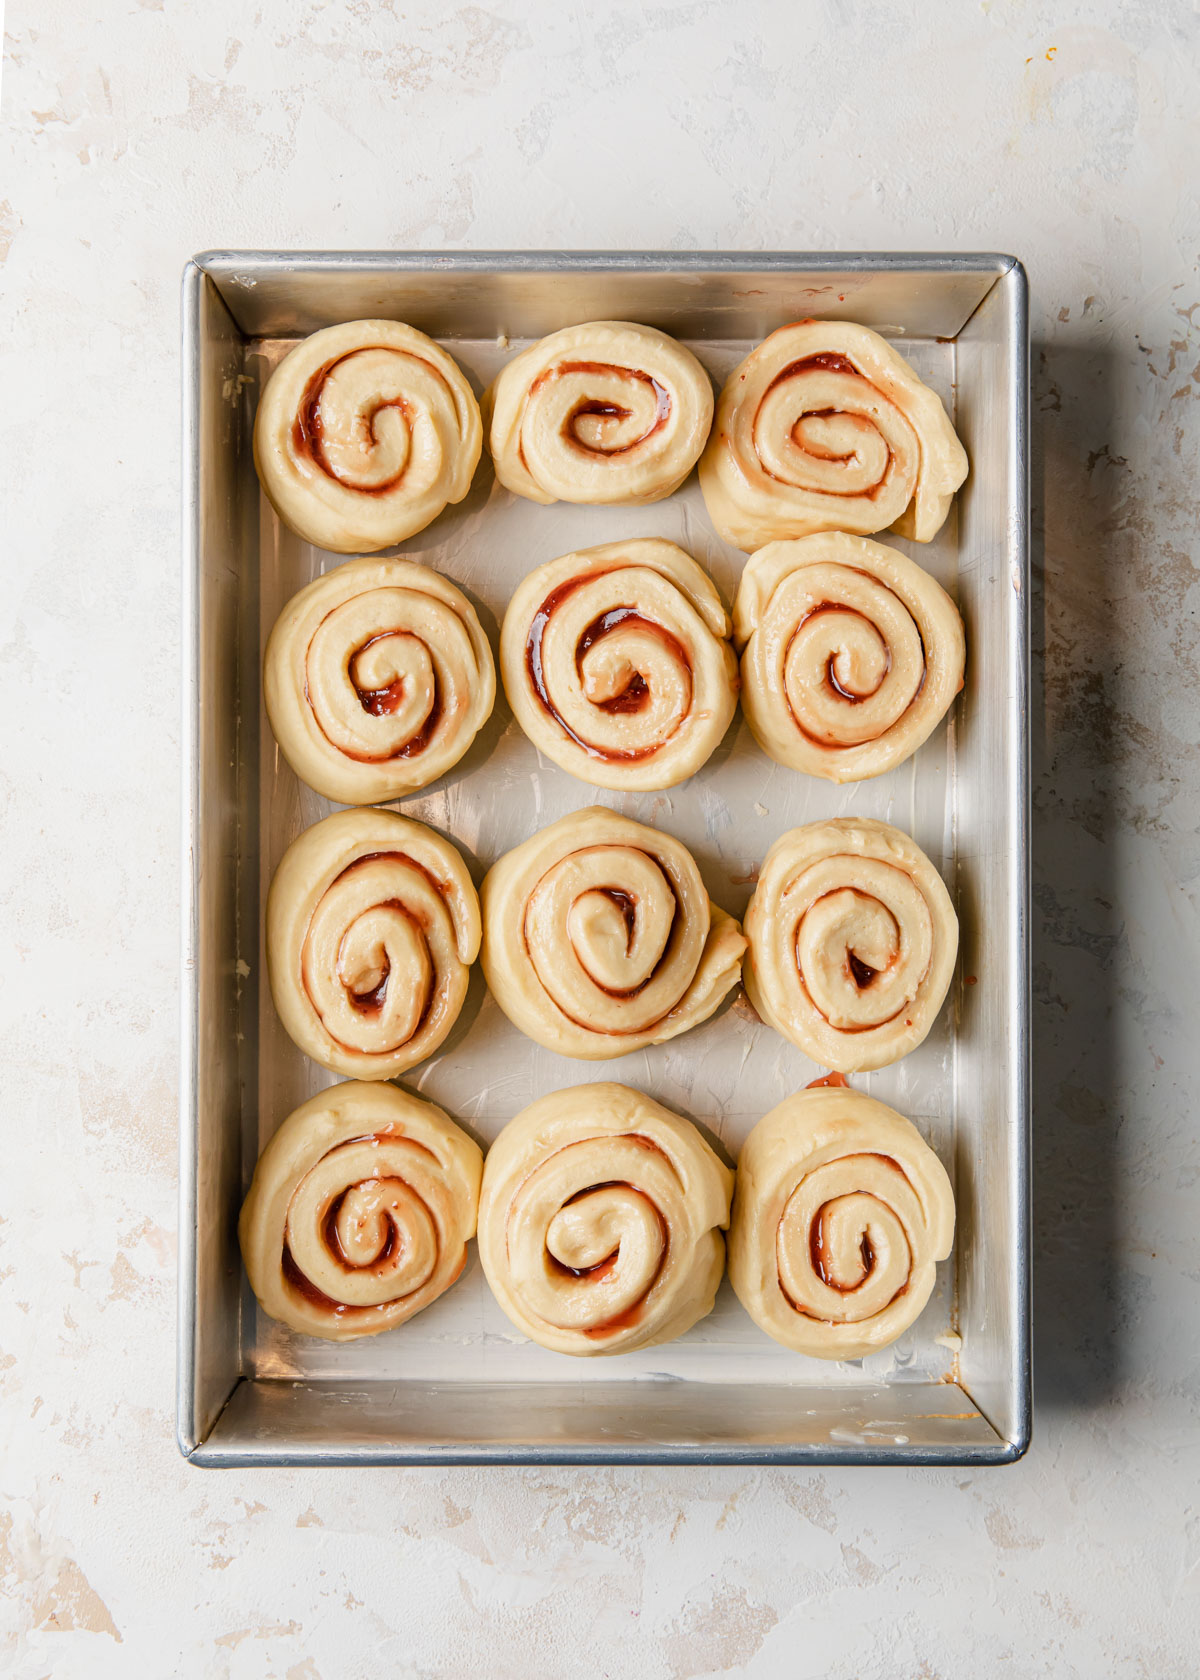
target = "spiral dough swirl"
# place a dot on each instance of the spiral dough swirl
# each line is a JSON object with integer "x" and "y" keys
{"x": 851, "y": 654}
{"x": 372, "y": 925}
{"x": 852, "y": 942}
{"x": 599, "y": 937}
{"x": 616, "y": 665}
{"x": 364, "y": 432}
{"x": 840, "y": 1214}
{"x": 377, "y": 678}
{"x": 600, "y": 1221}
{"x": 360, "y": 1211}
{"x": 604, "y": 412}
{"x": 824, "y": 427}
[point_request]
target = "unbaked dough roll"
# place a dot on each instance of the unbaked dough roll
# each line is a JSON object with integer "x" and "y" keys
{"x": 377, "y": 678}
{"x": 360, "y": 1211}
{"x": 851, "y": 655}
{"x": 852, "y": 942}
{"x": 603, "y": 412}
{"x": 600, "y": 1221}
{"x": 824, "y": 427}
{"x": 840, "y": 1213}
{"x": 364, "y": 432}
{"x": 599, "y": 937}
{"x": 372, "y": 926}
{"x": 616, "y": 665}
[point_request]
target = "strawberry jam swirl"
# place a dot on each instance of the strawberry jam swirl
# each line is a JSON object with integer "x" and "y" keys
{"x": 852, "y": 654}
{"x": 845, "y": 1240}
{"x": 381, "y": 934}
{"x": 865, "y": 646}
{"x": 309, "y": 429}
{"x": 617, "y": 663}
{"x": 372, "y": 923}
{"x": 842, "y": 1213}
{"x": 366, "y": 1227}
{"x": 847, "y": 914}
{"x": 377, "y": 677}
{"x": 601, "y": 425}
{"x": 826, "y": 433}
{"x": 829, "y": 1259}
{"x": 837, "y": 657}
{"x": 389, "y": 698}
{"x": 359, "y": 1211}
{"x": 647, "y": 915}
{"x": 600, "y": 938}
{"x": 619, "y": 1211}
{"x": 605, "y": 411}
{"x": 633, "y": 696}
{"x": 824, "y": 426}
{"x": 852, "y": 942}
{"x": 600, "y": 1216}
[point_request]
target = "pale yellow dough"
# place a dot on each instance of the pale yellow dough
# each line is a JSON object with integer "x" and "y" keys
{"x": 799, "y": 446}
{"x": 850, "y": 888}
{"x": 364, "y": 432}
{"x": 600, "y": 1221}
{"x": 372, "y": 926}
{"x": 834, "y": 1177}
{"x": 360, "y": 1212}
{"x": 664, "y": 646}
{"x": 599, "y": 937}
{"x": 603, "y": 412}
{"x": 377, "y": 678}
{"x": 852, "y": 654}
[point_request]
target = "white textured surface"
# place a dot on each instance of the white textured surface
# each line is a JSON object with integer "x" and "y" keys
{"x": 142, "y": 131}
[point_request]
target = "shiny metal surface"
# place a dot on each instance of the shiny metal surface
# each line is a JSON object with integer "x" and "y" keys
{"x": 454, "y": 1387}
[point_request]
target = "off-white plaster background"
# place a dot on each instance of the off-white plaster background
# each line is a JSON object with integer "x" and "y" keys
{"x": 141, "y": 130}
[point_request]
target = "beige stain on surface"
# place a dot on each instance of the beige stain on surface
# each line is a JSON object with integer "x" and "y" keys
{"x": 126, "y": 1284}
{"x": 860, "y": 1568}
{"x": 8, "y": 228}
{"x": 144, "y": 1122}
{"x": 812, "y": 1501}
{"x": 276, "y": 1630}
{"x": 1005, "y": 1532}
{"x": 73, "y": 1603}
{"x": 723, "y": 1634}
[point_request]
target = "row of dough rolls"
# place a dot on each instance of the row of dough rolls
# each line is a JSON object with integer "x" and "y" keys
{"x": 618, "y": 666}
{"x": 600, "y": 1216}
{"x": 598, "y": 938}
{"x": 367, "y": 430}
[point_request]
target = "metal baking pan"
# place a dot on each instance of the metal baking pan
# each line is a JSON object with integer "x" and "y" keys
{"x": 457, "y": 1384}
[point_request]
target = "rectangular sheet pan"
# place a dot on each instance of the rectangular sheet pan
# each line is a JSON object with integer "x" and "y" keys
{"x": 458, "y": 1385}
